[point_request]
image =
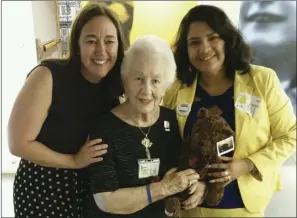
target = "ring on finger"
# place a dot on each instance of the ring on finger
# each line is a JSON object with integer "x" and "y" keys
{"x": 226, "y": 173}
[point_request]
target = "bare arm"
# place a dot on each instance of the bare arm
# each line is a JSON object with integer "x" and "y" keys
{"x": 132, "y": 199}
{"x": 27, "y": 117}
{"x": 135, "y": 199}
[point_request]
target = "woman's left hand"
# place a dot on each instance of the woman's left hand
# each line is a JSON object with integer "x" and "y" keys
{"x": 232, "y": 169}
{"x": 196, "y": 192}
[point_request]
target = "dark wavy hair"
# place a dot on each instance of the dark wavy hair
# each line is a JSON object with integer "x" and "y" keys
{"x": 112, "y": 81}
{"x": 237, "y": 53}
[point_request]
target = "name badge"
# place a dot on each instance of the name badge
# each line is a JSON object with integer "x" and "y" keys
{"x": 225, "y": 146}
{"x": 248, "y": 103}
{"x": 148, "y": 167}
{"x": 166, "y": 125}
{"x": 183, "y": 109}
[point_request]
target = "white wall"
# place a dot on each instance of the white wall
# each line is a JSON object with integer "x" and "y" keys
{"x": 30, "y": 20}
{"x": 45, "y": 25}
{"x": 19, "y": 57}
{"x": 22, "y": 22}
{"x": 283, "y": 203}
{"x": 1, "y": 97}
{"x": 7, "y": 195}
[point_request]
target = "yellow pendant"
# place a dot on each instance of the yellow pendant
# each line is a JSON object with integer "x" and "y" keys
{"x": 146, "y": 142}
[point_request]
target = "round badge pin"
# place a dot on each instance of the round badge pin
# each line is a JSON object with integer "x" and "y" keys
{"x": 183, "y": 109}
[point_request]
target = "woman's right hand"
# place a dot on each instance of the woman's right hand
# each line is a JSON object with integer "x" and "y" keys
{"x": 90, "y": 153}
{"x": 175, "y": 182}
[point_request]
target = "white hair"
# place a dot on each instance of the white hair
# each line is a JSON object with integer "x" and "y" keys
{"x": 151, "y": 46}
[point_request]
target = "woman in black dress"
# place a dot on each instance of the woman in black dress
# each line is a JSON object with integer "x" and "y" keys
{"x": 53, "y": 114}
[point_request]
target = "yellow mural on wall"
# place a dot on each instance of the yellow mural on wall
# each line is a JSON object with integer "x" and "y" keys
{"x": 161, "y": 18}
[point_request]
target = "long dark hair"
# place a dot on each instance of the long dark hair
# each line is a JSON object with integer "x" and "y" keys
{"x": 237, "y": 53}
{"x": 112, "y": 82}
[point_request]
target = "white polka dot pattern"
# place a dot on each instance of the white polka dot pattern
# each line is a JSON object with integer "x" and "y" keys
{"x": 48, "y": 192}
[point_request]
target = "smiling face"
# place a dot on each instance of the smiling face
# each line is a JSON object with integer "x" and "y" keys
{"x": 98, "y": 44}
{"x": 270, "y": 28}
{"x": 145, "y": 82}
{"x": 205, "y": 48}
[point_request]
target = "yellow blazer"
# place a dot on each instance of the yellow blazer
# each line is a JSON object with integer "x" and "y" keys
{"x": 268, "y": 138}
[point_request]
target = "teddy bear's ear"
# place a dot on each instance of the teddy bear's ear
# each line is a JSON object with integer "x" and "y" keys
{"x": 203, "y": 112}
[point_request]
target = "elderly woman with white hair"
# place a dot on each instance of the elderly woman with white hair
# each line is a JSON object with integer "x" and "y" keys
{"x": 143, "y": 140}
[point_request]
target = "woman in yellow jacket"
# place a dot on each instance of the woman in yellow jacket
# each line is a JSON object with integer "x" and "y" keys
{"x": 214, "y": 71}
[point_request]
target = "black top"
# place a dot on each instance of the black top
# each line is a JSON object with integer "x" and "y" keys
{"x": 52, "y": 192}
{"x": 75, "y": 104}
{"x": 119, "y": 168}
{"x": 225, "y": 102}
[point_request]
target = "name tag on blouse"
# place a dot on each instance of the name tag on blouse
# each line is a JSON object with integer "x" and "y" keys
{"x": 248, "y": 103}
{"x": 148, "y": 167}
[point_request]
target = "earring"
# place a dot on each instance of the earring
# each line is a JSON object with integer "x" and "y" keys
{"x": 190, "y": 69}
{"x": 123, "y": 98}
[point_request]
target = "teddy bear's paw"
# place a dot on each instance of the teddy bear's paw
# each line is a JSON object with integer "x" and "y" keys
{"x": 214, "y": 200}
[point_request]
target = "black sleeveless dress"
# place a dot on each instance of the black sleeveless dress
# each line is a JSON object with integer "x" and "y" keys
{"x": 52, "y": 192}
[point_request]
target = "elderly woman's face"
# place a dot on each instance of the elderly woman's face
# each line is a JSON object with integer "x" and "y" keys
{"x": 144, "y": 83}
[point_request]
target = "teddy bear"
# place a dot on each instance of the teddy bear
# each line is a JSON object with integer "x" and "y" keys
{"x": 199, "y": 150}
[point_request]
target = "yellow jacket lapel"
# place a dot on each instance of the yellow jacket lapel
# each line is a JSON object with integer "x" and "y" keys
{"x": 185, "y": 99}
{"x": 243, "y": 84}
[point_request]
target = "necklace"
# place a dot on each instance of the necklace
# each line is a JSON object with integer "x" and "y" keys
{"x": 146, "y": 142}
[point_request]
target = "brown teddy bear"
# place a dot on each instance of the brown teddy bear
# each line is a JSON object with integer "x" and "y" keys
{"x": 199, "y": 150}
